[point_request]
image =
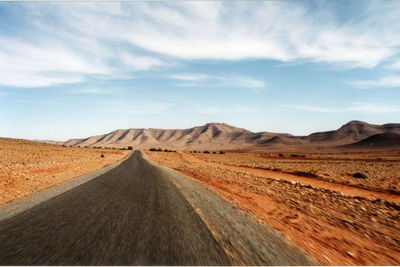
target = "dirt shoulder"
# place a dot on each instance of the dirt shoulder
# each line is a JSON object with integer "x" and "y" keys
{"x": 331, "y": 224}
{"x": 27, "y": 167}
{"x": 244, "y": 240}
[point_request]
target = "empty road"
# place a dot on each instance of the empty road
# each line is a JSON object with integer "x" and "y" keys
{"x": 131, "y": 215}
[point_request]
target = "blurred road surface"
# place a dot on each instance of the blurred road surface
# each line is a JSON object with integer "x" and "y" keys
{"x": 131, "y": 215}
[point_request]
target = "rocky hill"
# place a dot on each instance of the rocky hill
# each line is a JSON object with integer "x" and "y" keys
{"x": 224, "y": 136}
{"x": 382, "y": 140}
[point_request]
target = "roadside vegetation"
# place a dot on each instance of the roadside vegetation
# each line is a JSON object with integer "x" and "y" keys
{"x": 161, "y": 150}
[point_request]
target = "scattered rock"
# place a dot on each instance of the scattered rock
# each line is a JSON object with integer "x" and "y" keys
{"x": 360, "y": 175}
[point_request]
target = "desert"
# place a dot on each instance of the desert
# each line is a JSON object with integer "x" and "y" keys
{"x": 200, "y": 133}
{"x": 27, "y": 167}
{"x": 314, "y": 201}
{"x": 337, "y": 200}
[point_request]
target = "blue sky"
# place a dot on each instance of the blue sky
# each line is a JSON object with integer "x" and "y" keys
{"x": 71, "y": 70}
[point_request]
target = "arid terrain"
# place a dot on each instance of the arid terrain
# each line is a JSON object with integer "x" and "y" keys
{"x": 224, "y": 136}
{"x": 335, "y": 194}
{"x": 27, "y": 167}
{"x": 312, "y": 199}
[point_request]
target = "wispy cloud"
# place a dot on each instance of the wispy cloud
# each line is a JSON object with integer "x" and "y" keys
{"x": 226, "y": 110}
{"x": 142, "y": 108}
{"x": 183, "y": 31}
{"x": 66, "y": 42}
{"x": 395, "y": 65}
{"x": 312, "y": 108}
{"x": 390, "y": 81}
{"x": 90, "y": 91}
{"x": 26, "y": 65}
{"x": 190, "y": 77}
{"x": 246, "y": 82}
{"x": 373, "y": 108}
{"x": 356, "y": 107}
{"x": 135, "y": 63}
{"x": 205, "y": 80}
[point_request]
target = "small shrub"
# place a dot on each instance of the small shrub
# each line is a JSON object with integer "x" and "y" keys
{"x": 214, "y": 152}
{"x": 166, "y": 150}
{"x": 360, "y": 175}
{"x": 130, "y": 148}
{"x": 102, "y": 155}
{"x": 206, "y": 152}
{"x": 280, "y": 155}
{"x": 297, "y": 156}
{"x": 153, "y": 149}
{"x": 221, "y": 152}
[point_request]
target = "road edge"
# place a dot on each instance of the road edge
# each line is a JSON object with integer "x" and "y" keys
{"x": 16, "y": 206}
{"x": 227, "y": 234}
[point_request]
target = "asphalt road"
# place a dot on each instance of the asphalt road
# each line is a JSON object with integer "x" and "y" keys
{"x": 131, "y": 215}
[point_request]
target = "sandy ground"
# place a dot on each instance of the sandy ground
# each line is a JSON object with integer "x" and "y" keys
{"x": 335, "y": 218}
{"x": 27, "y": 167}
{"x": 382, "y": 169}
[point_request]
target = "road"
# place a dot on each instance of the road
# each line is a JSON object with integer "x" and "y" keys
{"x": 131, "y": 215}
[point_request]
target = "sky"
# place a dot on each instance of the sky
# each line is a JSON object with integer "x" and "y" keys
{"x": 72, "y": 70}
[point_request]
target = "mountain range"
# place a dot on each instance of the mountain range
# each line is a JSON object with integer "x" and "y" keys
{"x": 223, "y": 136}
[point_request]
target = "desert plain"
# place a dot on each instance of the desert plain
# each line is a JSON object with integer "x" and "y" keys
{"x": 310, "y": 197}
{"x": 27, "y": 167}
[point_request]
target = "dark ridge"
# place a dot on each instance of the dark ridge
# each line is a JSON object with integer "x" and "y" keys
{"x": 383, "y": 140}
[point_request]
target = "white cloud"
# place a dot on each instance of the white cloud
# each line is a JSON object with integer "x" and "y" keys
{"x": 271, "y": 30}
{"x": 355, "y": 107}
{"x": 246, "y": 82}
{"x": 373, "y": 108}
{"x": 312, "y": 108}
{"x": 89, "y": 90}
{"x": 190, "y": 77}
{"x": 209, "y": 110}
{"x": 27, "y": 65}
{"x": 224, "y": 110}
{"x": 136, "y": 63}
{"x": 395, "y": 65}
{"x": 141, "y": 108}
{"x": 390, "y": 81}
{"x": 205, "y": 80}
{"x": 65, "y": 42}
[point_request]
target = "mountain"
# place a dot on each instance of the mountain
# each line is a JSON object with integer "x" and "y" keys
{"x": 352, "y": 132}
{"x": 209, "y": 136}
{"x": 382, "y": 140}
{"x": 224, "y": 136}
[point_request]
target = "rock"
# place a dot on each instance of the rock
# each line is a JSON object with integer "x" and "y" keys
{"x": 360, "y": 175}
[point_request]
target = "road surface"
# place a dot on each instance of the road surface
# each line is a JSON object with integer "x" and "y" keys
{"x": 131, "y": 215}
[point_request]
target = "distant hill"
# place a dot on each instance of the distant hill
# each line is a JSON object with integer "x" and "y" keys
{"x": 209, "y": 136}
{"x": 49, "y": 142}
{"x": 224, "y": 136}
{"x": 382, "y": 140}
{"x": 352, "y": 132}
